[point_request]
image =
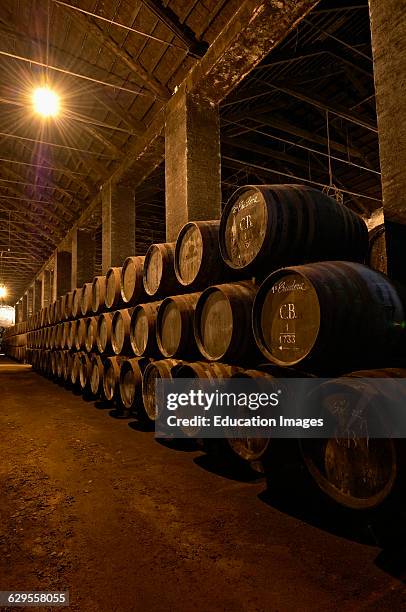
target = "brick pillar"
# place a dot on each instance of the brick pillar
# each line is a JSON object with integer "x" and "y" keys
{"x": 192, "y": 162}
{"x": 25, "y": 307}
{"x": 37, "y": 294}
{"x": 389, "y": 54}
{"x": 17, "y": 311}
{"x": 46, "y": 294}
{"x": 30, "y": 301}
{"x": 62, "y": 273}
{"x": 118, "y": 225}
{"x": 83, "y": 257}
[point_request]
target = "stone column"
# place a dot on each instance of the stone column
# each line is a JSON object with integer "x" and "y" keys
{"x": 62, "y": 273}
{"x": 37, "y": 294}
{"x": 25, "y": 306}
{"x": 388, "y": 33}
{"x": 192, "y": 161}
{"x": 30, "y": 302}
{"x": 46, "y": 295}
{"x": 17, "y": 311}
{"x": 118, "y": 225}
{"x": 83, "y": 257}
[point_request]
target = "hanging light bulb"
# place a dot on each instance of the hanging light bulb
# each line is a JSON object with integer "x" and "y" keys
{"x": 46, "y": 102}
{"x": 3, "y": 291}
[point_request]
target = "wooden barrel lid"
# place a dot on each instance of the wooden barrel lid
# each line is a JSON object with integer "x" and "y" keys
{"x": 139, "y": 331}
{"x": 189, "y": 253}
{"x": 287, "y": 318}
{"x": 246, "y": 221}
{"x": 153, "y": 270}
{"x": 216, "y": 316}
{"x": 127, "y": 387}
{"x": 170, "y": 327}
{"x": 119, "y": 332}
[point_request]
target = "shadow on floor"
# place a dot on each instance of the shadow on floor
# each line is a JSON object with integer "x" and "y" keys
{"x": 184, "y": 445}
{"x": 218, "y": 459}
{"x": 293, "y": 492}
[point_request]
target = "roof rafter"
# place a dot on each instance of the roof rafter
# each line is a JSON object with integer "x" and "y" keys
{"x": 121, "y": 54}
{"x": 166, "y": 15}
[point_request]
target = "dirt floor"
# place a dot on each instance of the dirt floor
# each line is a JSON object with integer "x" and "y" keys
{"x": 93, "y": 504}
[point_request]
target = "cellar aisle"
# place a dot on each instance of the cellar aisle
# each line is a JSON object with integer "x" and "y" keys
{"x": 90, "y": 503}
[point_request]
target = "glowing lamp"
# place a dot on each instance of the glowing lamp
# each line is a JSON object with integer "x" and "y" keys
{"x": 46, "y": 102}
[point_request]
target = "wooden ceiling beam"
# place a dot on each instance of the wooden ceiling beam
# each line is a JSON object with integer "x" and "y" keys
{"x": 62, "y": 207}
{"x": 106, "y": 41}
{"x": 36, "y": 217}
{"x": 56, "y": 166}
{"x": 49, "y": 183}
{"x": 168, "y": 17}
{"x": 299, "y": 132}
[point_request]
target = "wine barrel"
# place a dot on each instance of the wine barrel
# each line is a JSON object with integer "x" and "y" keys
{"x": 98, "y": 294}
{"x": 268, "y": 226}
{"x": 76, "y": 298}
{"x": 59, "y": 334}
{"x": 61, "y": 307}
{"x": 75, "y": 370}
{"x": 174, "y": 326}
{"x": 120, "y": 332}
{"x": 65, "y": 335}
{"x": 57, "y": 313}
{"x": 143, "y": 329}
{"x": 91, "y": 334}
{"x": 201, "y": 370}
{"x": 329, "y": 317}
{"x": 53, "y": 363}
{"x": 80, "y": 335}
{"x": 111, "y": 377}
{"x": 86, "y": 299}
{"x": 68, "y": 364}
{"x": 52, "y": 339}
{"x": 44, "y": 316}
{"x": 204, "y": 369}
{"x": 155, "y": 370}
{"x": 132, "y": 288}
{"x": 60, "y": 363}
{"x": 112, "y": 297}
{"x": 377, "y": 249}
{"x": 198, "y": 261}
{"x": 130, "y": 382}
{"x": 85, "y": 372}
{"x": 103, "y": 338}
{"x": 51, "y": 311}
{"x": 70, "y": 340}
{"x": 254, "y": 449}
{"x": 159, "y": 276}
{"x": 358, "y": 473}
{"x": 222, "y": 322}
{"x": 96, "y": 376}
{"x": 68, "y": 305}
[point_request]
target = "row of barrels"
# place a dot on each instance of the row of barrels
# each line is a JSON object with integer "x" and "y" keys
{"x": 15, "y": 346}
{"x": 358, "y": 476}
{"x": 261, "y": 229}
{"x": 130, "y": 382}
{"x": 324, "y": 317}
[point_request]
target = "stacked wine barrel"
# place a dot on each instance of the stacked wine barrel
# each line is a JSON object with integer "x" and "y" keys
{"x": 280, "y": 278}
{"x": 14, "y": 342}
